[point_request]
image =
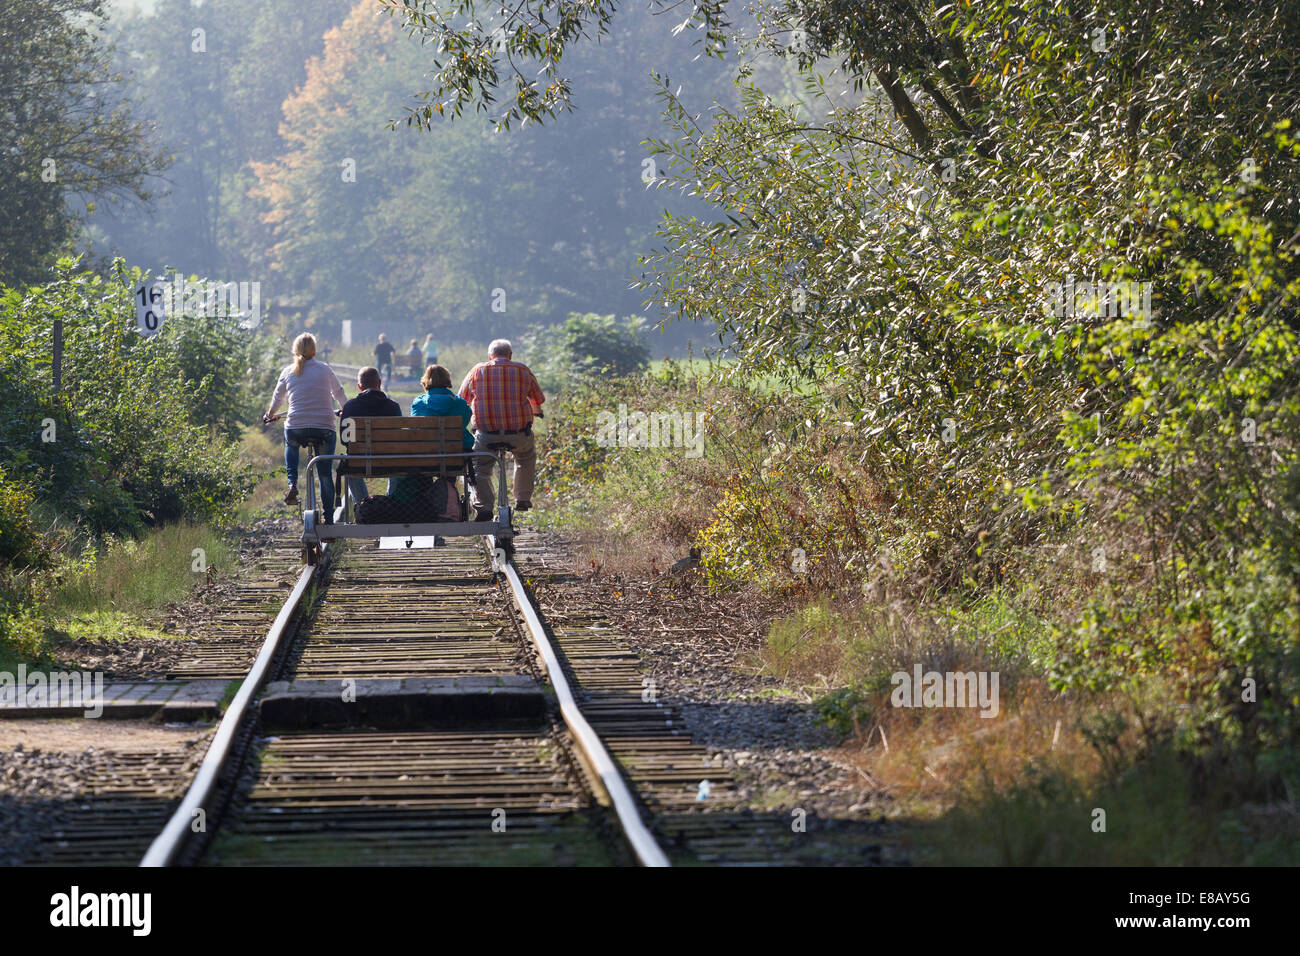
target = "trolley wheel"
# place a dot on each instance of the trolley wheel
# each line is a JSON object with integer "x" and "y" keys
{"x": 507, "y": 545}
{"x": 310, "y": 554}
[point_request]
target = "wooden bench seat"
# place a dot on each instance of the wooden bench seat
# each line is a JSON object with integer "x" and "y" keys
{"x": 405, "y": 435}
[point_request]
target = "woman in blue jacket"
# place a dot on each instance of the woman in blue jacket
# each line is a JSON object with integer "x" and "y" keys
{"x": 439, "y": 399}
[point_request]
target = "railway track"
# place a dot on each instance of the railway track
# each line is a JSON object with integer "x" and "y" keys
{"x": 414, "y": 707}
{"x": 474, "y": 787}
{"x": 126, "y": 796}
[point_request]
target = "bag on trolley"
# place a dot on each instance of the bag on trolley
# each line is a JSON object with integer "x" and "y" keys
{"x": 446, "y": 501}
{"x": 432, "y": 501}
{"x": 380, "y": 509}
{"x": 440, "y": 502}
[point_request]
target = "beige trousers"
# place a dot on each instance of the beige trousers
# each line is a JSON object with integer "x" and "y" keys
{"x": 525, "y": 455}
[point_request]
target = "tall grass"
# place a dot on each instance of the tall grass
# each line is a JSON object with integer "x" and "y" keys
{"x": 1092, "y": 714}
{"x": 262, "y": 448}
{"x": 827, "y": 646}
{"x": 139, "y": 576}
{"x": 1148, "y": 814}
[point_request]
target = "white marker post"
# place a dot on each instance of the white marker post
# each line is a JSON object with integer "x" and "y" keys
{"x": 149, "y": 312}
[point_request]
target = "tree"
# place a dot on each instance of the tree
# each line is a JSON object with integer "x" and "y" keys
{"x": 586, "y": 346}
{"x": 212, "y": 77}
{"x": 959, "y": 266}
{"x": 469, "y": 61}
{"x": 604, "y": 345}
{"x": 130, "y": 440}
{"x": 67, "y": 132}
{"x": 462, "y": 226}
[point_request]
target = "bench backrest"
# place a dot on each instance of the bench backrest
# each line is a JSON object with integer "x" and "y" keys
{"x": 414, "y": 435}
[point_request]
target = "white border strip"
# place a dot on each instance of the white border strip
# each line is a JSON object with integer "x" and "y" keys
{"x": 163, "y": 850}
{"x": 643, "y": 843}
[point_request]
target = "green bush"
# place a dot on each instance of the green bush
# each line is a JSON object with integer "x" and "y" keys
{"x": 21, "y": 544}
{"x": 845, "y": 710}
{"x": 141, "y": 433}
{"x": 995, "y": 403}
{"x": 23, "y": 551}
{"x": 587, "y": 345}
{"x": 216, "y": 358}
{"x": 1219, "y": 669}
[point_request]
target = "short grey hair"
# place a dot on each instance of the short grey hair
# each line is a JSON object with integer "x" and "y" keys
{"x": 500, "y": 347}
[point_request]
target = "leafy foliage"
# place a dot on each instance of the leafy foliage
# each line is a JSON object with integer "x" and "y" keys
{"x": 908, "y": 249}
{"x": 21, "y": 543}
{"x": 130, "y": 441}
{"x": 218, "y": 360}
{"x": 604, "y": 345}
{"x": 67, "y": 132}
{"x": 587, "y": 345}
{"x": 919, "y": 302}
{"x": 471, "y": 56}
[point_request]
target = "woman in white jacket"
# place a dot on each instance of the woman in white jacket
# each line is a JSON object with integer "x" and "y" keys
{"x": 312, "y": 389}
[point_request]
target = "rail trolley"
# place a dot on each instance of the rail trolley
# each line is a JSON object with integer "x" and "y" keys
{"x": 389, "y": 447}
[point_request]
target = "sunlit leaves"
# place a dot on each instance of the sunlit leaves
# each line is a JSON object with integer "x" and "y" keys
{"x": 923, "y": 302}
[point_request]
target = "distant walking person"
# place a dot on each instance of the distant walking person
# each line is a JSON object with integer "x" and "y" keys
{"x": 505, "y": 396}
{"x": 430, "y": 350}
{"x": 312, "y": 388}
{"x": 384, "y": 359}
{"x": 415, "y": 359}
{"x": 370, "y": 402}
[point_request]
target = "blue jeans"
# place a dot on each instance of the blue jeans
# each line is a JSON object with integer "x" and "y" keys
{"x": 324, "y": 438}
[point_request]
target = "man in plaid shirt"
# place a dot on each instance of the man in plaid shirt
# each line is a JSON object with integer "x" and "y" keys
{"x": 504, "y": 395}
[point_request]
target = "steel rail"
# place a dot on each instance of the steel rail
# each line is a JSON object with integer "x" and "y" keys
{"x": 167, "y": 845}
{"x": 640, "y": 838}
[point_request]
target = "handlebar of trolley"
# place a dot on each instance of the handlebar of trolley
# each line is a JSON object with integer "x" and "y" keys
{"x": 271, "y": 419}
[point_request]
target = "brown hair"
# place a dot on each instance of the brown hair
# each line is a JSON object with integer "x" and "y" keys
{"x": 304, "y": 347}
{"x": 435, "y": 376}
{"x": 368, "y": 377}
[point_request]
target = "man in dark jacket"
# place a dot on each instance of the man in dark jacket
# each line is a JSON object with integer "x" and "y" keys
{"x": 371, "y": 402}
{"x": 384, "y": 359}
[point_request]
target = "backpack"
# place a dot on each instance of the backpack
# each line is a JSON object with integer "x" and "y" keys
{"x": 435, "y": 501}
{"x": 438, "y": 501}
{"x": 378, "y": 509}
{"x": 446, "y": 501}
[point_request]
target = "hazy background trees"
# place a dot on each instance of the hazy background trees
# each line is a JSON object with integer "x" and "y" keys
{"x": 68, "y": 138}
{"x": 293, "y": 166}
